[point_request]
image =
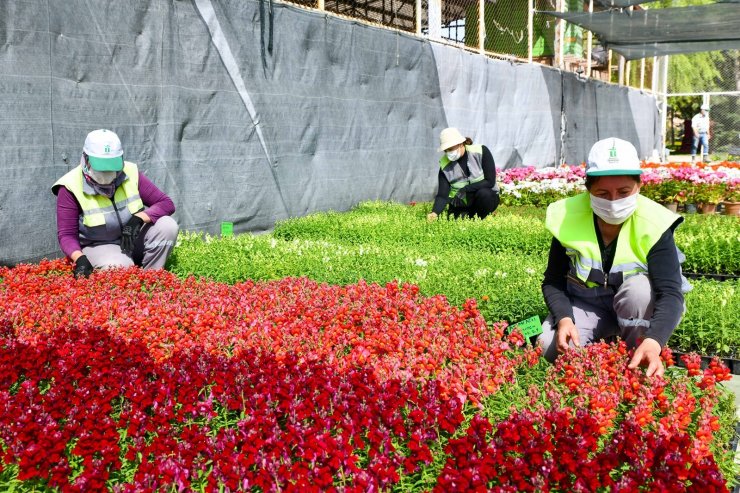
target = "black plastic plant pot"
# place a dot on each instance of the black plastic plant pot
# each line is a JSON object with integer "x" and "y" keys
{"x": 731, "y": 363}
{"x": 734, "y": 446}
{"x": 714, "y": 277}
{"x": 735, "y": 368}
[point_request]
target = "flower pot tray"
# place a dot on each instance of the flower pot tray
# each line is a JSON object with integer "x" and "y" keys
{"x": 732, "y": 363}
{"x": 716, "y": 277}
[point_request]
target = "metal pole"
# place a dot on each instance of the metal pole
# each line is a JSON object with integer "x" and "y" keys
{"x": 656, "y": 94}
{"x": 665, "y": 103}
{"x": 627, "y": 72}
{"x": 559, "y": 44}
{"x": 481, "y": 26}
{"x": 708, "y": 93}
{"x": 530, "y": 30}
{"x": 654, "y": 84}
{"x": 418, "y": 17}
{"x": 321, "y": 5}
{"x": 589, "y": 42}
{"x": 434, "y": 16}
{"x": 642, "y": 67}
{"x": 627, "y": 64}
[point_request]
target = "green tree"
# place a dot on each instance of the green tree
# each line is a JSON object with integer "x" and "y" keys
{"x": 699, "y": 73}
{"x": 696, "y": 72}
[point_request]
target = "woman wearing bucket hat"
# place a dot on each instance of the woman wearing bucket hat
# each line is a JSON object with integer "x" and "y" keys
{"x": 467, "y": 177}
{"x": 613, "y": 269}
{"x": 109, "y": 214}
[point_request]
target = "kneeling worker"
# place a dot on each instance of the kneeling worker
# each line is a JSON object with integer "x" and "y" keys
{"x": 613, "y": 268}
{"x": 109, "y": 214}
{"x": 467, "y": 178}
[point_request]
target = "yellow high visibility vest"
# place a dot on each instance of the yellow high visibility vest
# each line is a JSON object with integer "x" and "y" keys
{"x": 95, "y": 208}
{"x": 571, "y": 222}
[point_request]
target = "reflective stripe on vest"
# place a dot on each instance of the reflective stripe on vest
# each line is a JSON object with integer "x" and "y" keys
{"x": 455, "y": 174}
{"x": 95, "y": 208}
{"x": 571, "y": 222}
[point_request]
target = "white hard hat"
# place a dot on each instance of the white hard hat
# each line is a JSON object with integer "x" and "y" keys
{"x": 613, "y": 156}
{"x": 104, "y": 150}
{"x": 705, "y": 107}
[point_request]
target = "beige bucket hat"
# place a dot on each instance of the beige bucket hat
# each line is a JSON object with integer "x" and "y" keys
{"x": 450, "y": 137}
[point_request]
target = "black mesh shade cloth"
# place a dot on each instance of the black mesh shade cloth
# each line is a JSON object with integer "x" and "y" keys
{"x": 645, "y": 33}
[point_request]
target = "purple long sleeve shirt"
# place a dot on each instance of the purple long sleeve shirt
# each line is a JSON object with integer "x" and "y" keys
{"x": 156, "y": 204}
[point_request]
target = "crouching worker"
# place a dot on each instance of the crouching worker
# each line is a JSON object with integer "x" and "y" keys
{"x": 613, "y": 268}
{"x": 109, "y": 214}
{"x": 467, "y": 178}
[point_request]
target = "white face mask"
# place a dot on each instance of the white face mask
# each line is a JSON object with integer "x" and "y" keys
{"x": 453, "y": 155}
{"x": 614, "y": 211}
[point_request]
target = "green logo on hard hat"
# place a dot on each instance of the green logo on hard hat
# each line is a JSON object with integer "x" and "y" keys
{"x": 613, "y": 154}
{"x": 106, "y": 149}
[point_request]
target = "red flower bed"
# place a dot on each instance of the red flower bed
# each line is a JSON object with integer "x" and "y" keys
{"x": 389, "y": 328}
{"x": 81, "y": 401}
{"x": 600, "y": 426}
{"x": 140, "y": 381}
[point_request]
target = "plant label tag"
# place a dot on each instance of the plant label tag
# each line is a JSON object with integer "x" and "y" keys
{"x": 227, "y": 229}
{"x": 530, "y": 327}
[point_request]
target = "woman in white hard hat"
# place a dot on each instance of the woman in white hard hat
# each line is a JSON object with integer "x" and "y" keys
{"x": 467, "y": 178}
{"x": 613, "y": 268}
{"x": 109, "y": 214}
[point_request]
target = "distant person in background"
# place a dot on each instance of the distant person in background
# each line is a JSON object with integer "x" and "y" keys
{"x": 467, "y": 178}
{"x": 613, "y": 268}
{"x": 700, "y": 126}
{"x": 600, "y": 55}
{"x": 109, "y": 214}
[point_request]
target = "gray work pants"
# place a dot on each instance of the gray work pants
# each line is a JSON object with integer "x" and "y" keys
{"x": 603, "y": 314}
{"x": 152, "y": 247}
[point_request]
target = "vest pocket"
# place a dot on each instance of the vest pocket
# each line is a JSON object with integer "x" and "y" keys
{"x": 92, "y": 220}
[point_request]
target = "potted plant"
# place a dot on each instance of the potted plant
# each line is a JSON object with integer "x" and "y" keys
{"x": 689, "y": 198}
{"x": 708, "y": 195}
{"x": 731, "y": 201}
{"x": 651, "y": 188}
{"x": 671, "y": 194}
{"x": 659, "y": 189}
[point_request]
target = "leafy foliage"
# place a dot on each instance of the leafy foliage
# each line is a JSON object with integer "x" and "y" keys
{"x": 384, "y": 242}
{"x": 508, "y": 281}
{"x": 711, "y": 244}
{"x": 695, "y": 72}
{"x": 710, "y": 325}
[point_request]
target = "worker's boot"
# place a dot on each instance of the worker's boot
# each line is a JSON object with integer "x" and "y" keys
{"x": 705, "y": 159}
